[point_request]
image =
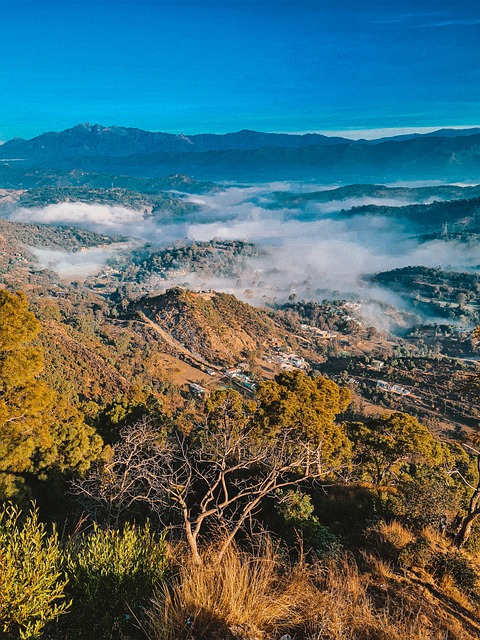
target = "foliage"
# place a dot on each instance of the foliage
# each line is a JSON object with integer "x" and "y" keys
{"x": 112, "y": 574}
{"x": 32, "y": 584}
{"x": 458, "y": 566}
{"x": 39, "y": 430}
{"x": 226, "y": 410}
{"x": 295, "y": 506}
{"x": 425, "y": 495}
{"x": 65, "y": 238}
{"x": 308, "y": 407}
{"x": 417, "y": 553}
{"x": 74, "y": 444}
{"x": 297, "y": 510}
{"x": 215, "y": 258}
{"x": 384, "y": 446}
{"x": 26, "y": 403}
{"x": 218, "y": 475}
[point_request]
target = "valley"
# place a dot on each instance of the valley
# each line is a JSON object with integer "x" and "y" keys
{"x": 142, "y": 289}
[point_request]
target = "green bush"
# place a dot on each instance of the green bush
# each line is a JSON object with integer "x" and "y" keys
{"x": 417, "y": 553}
{"x": 297, "y": 510}
{"x": 112, "y": 574}
{"x": 462, "y": 571}
{"x": 413, "y": 502}
{"x": 31, "y": 582}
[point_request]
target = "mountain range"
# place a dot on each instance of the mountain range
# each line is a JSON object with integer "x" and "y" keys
{"x": 97, "y": 140}
{"x": 447, "y": 154}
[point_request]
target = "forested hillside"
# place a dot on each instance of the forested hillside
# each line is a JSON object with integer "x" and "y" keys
{"x": 160, "y": 493}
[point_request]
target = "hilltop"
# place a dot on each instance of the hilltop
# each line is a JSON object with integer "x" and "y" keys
{"x": 216, "y": 326}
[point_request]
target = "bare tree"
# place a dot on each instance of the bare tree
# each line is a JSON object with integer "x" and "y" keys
{"x": 129, "y": 476}
{"x": 217, "y": 476}
{"x": 466, "y": 522}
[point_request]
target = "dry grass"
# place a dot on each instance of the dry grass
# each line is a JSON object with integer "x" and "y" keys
{"x": 394, "y": 534}
{"x": 436, "y": 540}
{"x": 380, "y": 568}
{"x": 451, "y": 590}
{"x": 354, "y": 606}
{"x": 257, "y": 596}
{"x": 343, "y": 610}
{"x": 243, "y": 595}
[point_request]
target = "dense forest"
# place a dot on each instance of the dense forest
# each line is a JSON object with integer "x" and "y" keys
{"x": 436, "y": 291}
{"x": 213, "y": 258}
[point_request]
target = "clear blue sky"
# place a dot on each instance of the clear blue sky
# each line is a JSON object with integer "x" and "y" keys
{"x": 222, "y": 65}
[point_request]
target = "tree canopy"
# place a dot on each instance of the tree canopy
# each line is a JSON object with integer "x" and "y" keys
{"x": 37, "y": 428}
{"x": 384, "y": 445}
{"x": 309, "y": 408}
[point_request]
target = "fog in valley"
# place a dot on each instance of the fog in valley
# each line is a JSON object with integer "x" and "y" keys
{"x": 309, "y": 251}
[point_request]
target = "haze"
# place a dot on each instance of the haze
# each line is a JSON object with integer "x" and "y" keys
{"x": 312, "y": 252}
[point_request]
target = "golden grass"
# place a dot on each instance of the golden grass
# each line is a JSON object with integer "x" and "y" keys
{"x": 257, "y": 595}
{"x": 243, "y": 595}
{"x": 378, "y": 566}
{"x": 346, "y": 608}
{"x": 395, "y": 534}
{"x": 451, "y": 590}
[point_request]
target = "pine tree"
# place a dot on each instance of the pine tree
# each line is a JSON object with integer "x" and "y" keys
{"x": 38, "y": 429}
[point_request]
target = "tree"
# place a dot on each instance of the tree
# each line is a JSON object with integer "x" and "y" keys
{"x": 38, "y": 429}
{"x": 383, "y": 445}
{"x": 26, "y": 403}
{"x": 465, "y": 523}
{"x": 130, "y": 475}
{"x": 306, "y": 406}
{"x": 217, "y": 476}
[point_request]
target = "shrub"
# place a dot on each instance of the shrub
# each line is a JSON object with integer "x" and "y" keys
{"x": 112, "y": 575}
{"x": 297, "y": 510}
{"x": 461, "y": 569}
{"x": 417, "y": 553}
{"x": 31, "y": 582}
{"x": 414, "y": 504}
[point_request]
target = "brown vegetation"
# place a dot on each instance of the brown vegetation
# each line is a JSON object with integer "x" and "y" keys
{"x": 260, "y": 595}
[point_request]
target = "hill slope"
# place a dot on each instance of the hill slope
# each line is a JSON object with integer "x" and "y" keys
{"x": 215, "y": 326}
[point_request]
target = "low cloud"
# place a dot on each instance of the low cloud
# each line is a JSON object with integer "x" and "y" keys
{"x": 95, "y": 217}
{"x": 311, "y": 252}
{"x": 75, "y": 265}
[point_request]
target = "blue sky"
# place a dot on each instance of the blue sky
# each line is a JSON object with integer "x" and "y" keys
{"x": 223, "y": 65}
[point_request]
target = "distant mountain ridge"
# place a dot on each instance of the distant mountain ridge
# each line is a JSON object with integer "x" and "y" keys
{"x": 97, "y": 140}
{"x": 246, "y": 155}
{"x": 433, "y": 158}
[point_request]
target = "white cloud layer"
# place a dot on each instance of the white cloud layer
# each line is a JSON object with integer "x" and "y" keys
{"x": 311, "y": 252}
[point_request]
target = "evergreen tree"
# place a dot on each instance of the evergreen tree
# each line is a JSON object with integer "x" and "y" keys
{"x": 38, "y": 429}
